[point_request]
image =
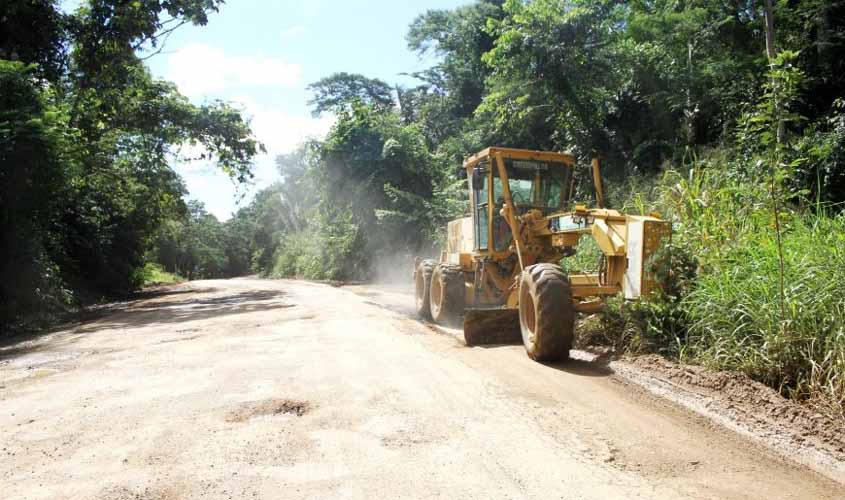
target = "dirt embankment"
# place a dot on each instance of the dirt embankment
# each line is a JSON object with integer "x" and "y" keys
{"x": 745, "y": 406}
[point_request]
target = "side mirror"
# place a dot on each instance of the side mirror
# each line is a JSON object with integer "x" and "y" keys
{"x": 477, "y": 179}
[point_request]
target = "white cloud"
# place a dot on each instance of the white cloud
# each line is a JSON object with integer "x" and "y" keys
{"x": 200, "y": 70}
{"x": 214, "y": 189}
{"x": 281, "y": 132}
{"x": 293, "y": 32}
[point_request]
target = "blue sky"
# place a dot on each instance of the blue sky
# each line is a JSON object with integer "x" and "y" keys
{"x": 262, "y": 54}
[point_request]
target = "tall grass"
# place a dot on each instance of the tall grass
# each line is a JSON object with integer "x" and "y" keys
{"x": 728, "y": 316}
{"x": 735, "y": 314}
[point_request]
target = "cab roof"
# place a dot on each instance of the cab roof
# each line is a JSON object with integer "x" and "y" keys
{"x": 519, "y": 154}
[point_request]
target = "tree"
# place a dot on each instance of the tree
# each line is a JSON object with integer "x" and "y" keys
{"x": 33, "y": 179}
{"x": 771, "y": 55}
{"x": 129, "y": 124}
{"x": 295, "y": 191}
{"x": 453, "y": 88}
{"x": 86, "y": 136}
{"x": 32, "y": 32}
{"x": 381, "y": 171}
{"x": 460, "y": 37}
{"x": 339, "y": 91}
{"x": 194, "y": 246}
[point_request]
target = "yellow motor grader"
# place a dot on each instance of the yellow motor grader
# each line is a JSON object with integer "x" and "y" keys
{"x": 500, "y": 269}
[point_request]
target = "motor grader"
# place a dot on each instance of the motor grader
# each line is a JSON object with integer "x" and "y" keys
{"x": 501, "y": 270}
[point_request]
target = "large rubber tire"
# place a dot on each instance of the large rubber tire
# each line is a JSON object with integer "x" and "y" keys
{"x": 422, "y": 285}
{"x": 546, "y": 312}
{"x": 447, "y": 294}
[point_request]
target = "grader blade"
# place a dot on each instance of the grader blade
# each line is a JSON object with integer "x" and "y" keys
{"x": 491, "y": 326}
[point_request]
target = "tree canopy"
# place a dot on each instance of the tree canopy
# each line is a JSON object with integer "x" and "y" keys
{"x": 87, "y": 137}
{"x": 645, "y": 85}
{"x": 339, "y": 91}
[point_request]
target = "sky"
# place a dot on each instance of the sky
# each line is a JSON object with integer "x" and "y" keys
{"x": 260, "y": 55}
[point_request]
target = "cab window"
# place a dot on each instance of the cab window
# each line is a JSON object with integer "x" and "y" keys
{"x": 480, "y": 201}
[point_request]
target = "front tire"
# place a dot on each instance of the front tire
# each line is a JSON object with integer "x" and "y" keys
{"x": 546, "y": 312}
{"x": 447, "y": 294}
{"x": 422, "y": 285}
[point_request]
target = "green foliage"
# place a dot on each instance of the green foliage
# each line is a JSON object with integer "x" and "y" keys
{"x": 86, "y": 138}
{"x": 195, "y": 246}
{"x": 377, "y": 172}
{"x": 339, "y": 91}
{"x": 747, "y": 334}
{"x": 549, "y": 44}
{"x": 32, "y": 31}
{"x": 33, "y": 182}
{"x": 822, "y": 173}
{"x": 658, "y": 323}
{"x": 720, "y": 303}
{"x": 332, "y": 249}
{"x": 154, "y": 274}
{"x": 456, "y": 85}
{"x": 300, "y": 256}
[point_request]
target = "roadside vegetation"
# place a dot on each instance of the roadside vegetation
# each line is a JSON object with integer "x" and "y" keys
{"x": 87, "y": 136}
{"x": 731, "y": 127}
{"x": 154, "y": 274}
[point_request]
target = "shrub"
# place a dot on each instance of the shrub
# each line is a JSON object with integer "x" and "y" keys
{"x": 154, "y": 274}
{"x": 332, "y": 248}
{"x": 657, "y": 323}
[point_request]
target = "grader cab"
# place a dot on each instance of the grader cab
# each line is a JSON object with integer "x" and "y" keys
{"x": 500, "y": 270}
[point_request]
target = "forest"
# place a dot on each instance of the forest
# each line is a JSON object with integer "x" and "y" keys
{"x": 725, "y": 116}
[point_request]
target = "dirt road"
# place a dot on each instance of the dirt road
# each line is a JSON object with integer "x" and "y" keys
{"x": 289, "y": 390}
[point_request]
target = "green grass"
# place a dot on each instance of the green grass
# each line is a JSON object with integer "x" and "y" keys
{"x": 723, "y": 306}
{"x": 154, "y": 274}
{"x": 735, "y": 313}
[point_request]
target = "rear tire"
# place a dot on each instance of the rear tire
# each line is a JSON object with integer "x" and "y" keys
{"x": 447, "y": 294}
{"x": 546, "y": 312}
{"x": 422, "y": 285}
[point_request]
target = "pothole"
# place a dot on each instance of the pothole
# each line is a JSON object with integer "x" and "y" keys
{"x": 268, "y": 407}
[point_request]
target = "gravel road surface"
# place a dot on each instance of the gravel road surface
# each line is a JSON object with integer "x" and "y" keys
{"x": 266, "y": 389}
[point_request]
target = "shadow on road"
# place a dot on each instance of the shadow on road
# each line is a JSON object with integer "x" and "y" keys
{"x": 150, "y": 308}
{"x": 159, "y": 312}
{"x": 583, "y": 367}
{"x": 581, "y": 363}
